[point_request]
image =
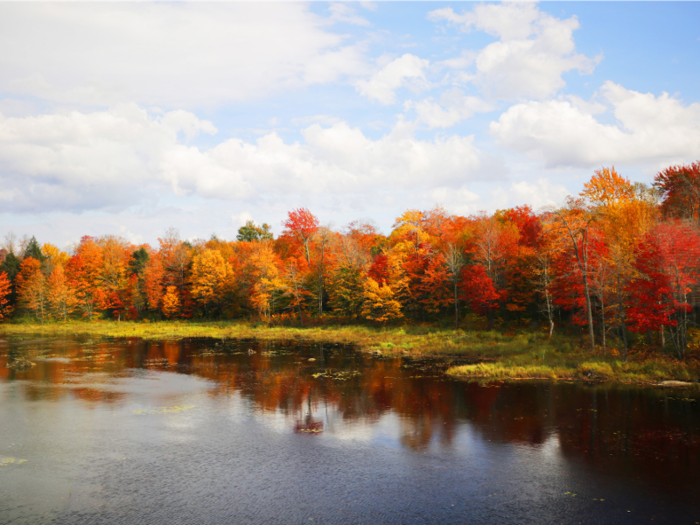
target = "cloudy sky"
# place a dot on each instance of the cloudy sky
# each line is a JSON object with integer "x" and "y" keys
{"x": 129, "y": 118}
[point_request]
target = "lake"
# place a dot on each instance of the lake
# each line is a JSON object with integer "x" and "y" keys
{"x": 209, "y": 431}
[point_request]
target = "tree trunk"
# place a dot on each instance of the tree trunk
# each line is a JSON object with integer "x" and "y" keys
{"x": 456, "y": 308}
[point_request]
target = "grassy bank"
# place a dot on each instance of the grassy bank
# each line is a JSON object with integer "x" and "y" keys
{"x": 496, "y": 355}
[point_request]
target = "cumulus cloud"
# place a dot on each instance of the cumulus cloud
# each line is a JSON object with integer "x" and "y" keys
{"x": 460, "y": 201}
{"x": 406, "y": 71}
{"x": 345, "y": 13}
{"x": 110, "y": 159}
{"x": 533, "y": 51}
{"x": 86, "y": 160}
{"x": 454, "y": 106}
{"x": 648, "y": 129}
{"x": 176, "y": 55}
{"x": 537, "y": 194}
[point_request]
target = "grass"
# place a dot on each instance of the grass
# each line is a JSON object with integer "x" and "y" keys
{"x": 494, "y": 355}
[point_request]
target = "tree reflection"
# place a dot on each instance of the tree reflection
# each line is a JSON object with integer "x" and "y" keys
{"x": 654, "y": 433}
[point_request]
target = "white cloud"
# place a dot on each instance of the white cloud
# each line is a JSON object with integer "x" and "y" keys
{"x": 454, "y": 107}
{"x": 372, "y": 6}
{"x": 537, "y": 195}
{"x": 345, "y": 13}
{"x": 240, "y": 219}
{"x": 649, "y": 129}
{"x": 178, "y": 55}
{"x": 116, "y": 158}
{"x": 86, "y": 160}
{"x": 459, "y": 201}
{"x": 405, "y": 71}
{"x": 316, "y": 119}
{"x": 533, "y": 51}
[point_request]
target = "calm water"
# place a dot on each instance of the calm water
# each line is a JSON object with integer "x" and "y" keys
{"x": 211, "y": 431}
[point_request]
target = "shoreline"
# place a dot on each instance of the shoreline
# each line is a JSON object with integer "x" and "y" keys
{"x": 496, "y": 356}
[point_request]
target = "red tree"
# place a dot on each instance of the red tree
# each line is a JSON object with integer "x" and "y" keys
{"x": 478, "y": 290}
{"x": 667, "y": 262}
{"x": 302, "y": 225}
{"x": 5, "y": 290}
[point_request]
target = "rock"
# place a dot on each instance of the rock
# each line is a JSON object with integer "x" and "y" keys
{"x": 674, "y": 383}
{"x": 311, "y": 359}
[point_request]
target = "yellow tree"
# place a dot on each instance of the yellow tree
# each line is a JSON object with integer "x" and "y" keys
{"x": 380, "y": 304}
{"x": 31, "y": 288}
{"x": 54, "y": 255}
{"x": 113, "y": 274}
{"x": 210, "y": 273}
{"x": 171, "y": 302}
{"x": 61, "y": 297}
{"x": 626, "y": 212}
{"x": 263, "y": 269}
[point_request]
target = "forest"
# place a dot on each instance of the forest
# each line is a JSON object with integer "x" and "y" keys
{"x": 618, "y": 263}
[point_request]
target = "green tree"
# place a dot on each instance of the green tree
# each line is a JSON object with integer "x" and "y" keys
{"x": 34, "y": 250}
{"x": 252, "y": 232}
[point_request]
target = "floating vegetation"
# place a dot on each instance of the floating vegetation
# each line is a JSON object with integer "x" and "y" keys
{"x": 211, "y": 352}
{"x": 5, "y": 461}
{"x": 157, "y": 361}
{"x": 163, "y": 410}
{"x": 20, "y": 364}
{"x": 337, "y": 376}
{"x": 275, "y": 352}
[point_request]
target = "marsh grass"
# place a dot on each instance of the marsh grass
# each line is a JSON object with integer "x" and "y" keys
{"x": 493, "y": 354}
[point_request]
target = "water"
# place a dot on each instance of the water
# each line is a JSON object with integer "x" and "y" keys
{"x": 210, "y": 431}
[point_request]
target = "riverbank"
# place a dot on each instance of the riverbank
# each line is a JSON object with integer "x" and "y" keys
{"x": 495, "y": 355}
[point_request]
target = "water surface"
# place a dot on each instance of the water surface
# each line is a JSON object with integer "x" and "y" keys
{"x": 222, "y": 431}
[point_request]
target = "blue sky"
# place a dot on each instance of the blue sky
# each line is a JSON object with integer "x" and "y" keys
{"x": 129, "y": 118}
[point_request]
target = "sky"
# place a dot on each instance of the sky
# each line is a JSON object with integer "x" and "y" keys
{"x": 131, "y": 118}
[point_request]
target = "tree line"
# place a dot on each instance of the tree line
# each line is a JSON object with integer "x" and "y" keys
{"x": 619, "y": 257}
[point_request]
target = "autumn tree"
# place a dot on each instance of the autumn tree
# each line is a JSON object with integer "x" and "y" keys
{"x": 31, "y": 288}
{"x": 61, "y": 298}
{"x": 5, "y": 290}
{"x": 10, "y": 267}
{"x": 301, "y": 225}
{"x": 263, "y": 269}
{"x": 54, "y": 255}
{"x": 491, "y": 245}
{"x": 626, "y": 213}
{"x": 667, "y": 263}
{"x": 379, "y": 303}
{"x": 171, "y": 302}
{"x": 352, "y": 263}
{"x": 574, "y": 222}
{"x": 210, "y": 273}
{"x": 83, "y": 271}
{"x": 454, "y": 262}
{"x": 114, "y": 276}
{"x": 294, "y": 271}
{"x": 136, "y": 269}
{"x": 323, "y": 238}
{"x": 478, "y": 290}
{"x": 679, "y": 187}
